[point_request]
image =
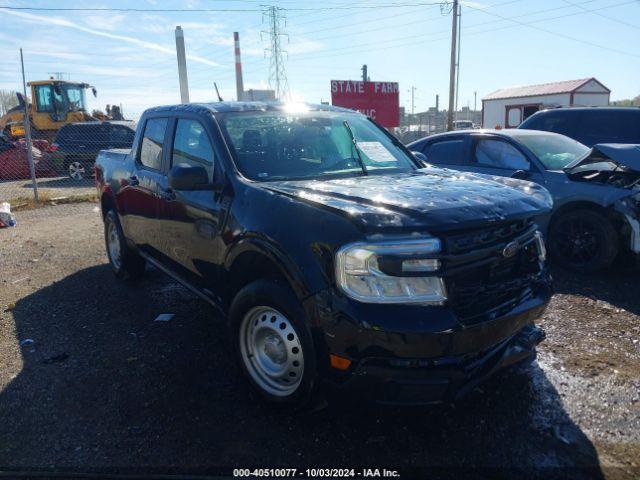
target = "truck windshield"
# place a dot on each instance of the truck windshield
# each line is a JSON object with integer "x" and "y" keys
{"x": 281, "y": 145}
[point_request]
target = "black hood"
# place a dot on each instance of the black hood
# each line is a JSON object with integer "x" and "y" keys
{"x": 430, "y": 198}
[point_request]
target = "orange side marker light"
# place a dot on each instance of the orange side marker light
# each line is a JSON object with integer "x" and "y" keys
{"x": 340, "y": 363}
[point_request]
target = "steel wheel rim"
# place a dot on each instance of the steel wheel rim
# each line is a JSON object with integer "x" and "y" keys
{"x": 271, "y": 351}
{"x": 113, "y": 244}
{"x": 76, "y": 170}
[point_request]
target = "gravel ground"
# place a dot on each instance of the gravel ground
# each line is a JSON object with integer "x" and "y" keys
{"x": 103, "y": 385}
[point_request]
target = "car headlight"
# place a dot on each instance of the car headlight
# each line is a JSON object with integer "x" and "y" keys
{"x": 391, "y": 272}
{"x": 542, "y": 249}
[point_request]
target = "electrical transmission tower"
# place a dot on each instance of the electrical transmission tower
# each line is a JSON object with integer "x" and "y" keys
{"x": 277, "y": 74}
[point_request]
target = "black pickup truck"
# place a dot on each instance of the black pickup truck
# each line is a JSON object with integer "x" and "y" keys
{"x": 336, "y": 256}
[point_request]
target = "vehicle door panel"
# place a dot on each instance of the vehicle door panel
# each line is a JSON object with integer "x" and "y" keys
{"x": 194, "y": 219}
{"x": 140, "y": 194}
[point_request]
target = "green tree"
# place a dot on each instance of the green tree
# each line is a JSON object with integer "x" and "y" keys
{"x": 629, "y": 102}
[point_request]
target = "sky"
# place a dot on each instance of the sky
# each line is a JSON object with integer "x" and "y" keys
{"x": 129, "y": 56}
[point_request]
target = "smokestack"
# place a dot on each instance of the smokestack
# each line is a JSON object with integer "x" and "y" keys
{"x": 239, "y": 83}
{"x": 182, "y": 66}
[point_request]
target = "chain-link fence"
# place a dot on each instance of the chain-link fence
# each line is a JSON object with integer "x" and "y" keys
{"x": 63, "y": 160}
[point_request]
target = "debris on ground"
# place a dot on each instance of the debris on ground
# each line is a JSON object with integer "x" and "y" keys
{"x": 28, "y": 342}
{"x": 164, "y": 317}
{"x": 6, "y": 218}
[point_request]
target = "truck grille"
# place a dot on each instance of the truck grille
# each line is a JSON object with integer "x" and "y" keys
{"x": 466, "y": 242}
{"x": 481, "y": 282}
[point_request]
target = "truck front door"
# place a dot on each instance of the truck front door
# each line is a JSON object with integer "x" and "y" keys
{"x": 192, "y": 220}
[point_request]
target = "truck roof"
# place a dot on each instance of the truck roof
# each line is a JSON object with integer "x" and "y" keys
{"x": 222, "y": 107}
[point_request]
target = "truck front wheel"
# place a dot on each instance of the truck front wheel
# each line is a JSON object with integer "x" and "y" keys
{"x": 273, "y": 344}
{"x": 125, "y": 263}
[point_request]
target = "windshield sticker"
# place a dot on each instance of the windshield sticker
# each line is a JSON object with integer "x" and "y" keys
{"x": 376, "y": 152}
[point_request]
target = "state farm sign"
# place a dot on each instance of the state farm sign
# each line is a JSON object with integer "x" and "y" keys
{"x": 378, "y": 100}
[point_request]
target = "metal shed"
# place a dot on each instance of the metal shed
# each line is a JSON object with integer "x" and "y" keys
{"x": 508, "y": 107}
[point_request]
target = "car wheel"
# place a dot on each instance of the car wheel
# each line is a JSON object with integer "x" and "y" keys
{"x": 273, "y": 344}
{"x": 583, "y": 241}
{"x": 76, "y": 170}
{"x": 125, "y": 263}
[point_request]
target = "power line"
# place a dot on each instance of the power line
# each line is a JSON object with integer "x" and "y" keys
{"x": 371, "y": 46}
{"x": 227, "y": 10}
{"x": 621, "y": 22}
{"x": 557, "y": 34}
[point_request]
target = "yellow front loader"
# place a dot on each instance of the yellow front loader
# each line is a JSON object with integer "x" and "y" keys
{"x": 53, "y": 103}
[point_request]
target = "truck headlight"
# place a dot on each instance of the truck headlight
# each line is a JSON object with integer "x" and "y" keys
{"x": 391, "y": 272}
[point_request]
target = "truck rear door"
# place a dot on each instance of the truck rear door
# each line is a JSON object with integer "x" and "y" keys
{"x": 140, "y": 197}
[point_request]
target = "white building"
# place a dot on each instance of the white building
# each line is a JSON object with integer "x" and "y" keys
{"x": 507, "y": 108}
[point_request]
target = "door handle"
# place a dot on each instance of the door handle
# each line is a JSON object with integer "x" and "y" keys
{"x": 133, "y": 181}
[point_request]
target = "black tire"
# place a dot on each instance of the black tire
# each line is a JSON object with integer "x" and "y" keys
{"x": 274, "y": 295}
{"x": 128, "y": 265}
{"x": 583, "y": 241}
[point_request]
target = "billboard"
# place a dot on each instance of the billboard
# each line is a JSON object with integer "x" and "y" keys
{"x": 378, "y": 100}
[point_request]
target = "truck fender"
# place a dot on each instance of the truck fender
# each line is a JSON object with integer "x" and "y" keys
{"x": 285, "y": 265}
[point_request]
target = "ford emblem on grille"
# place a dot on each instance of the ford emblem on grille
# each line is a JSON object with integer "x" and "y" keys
{"x": 510, "y": 249}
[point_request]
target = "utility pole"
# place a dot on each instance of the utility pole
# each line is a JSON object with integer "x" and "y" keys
{"x": 435, "y": 118}
{"x": 458, "y": 58}
{"x": 27, "y": 133}
{"x": 277, "y": 75}
{"x": 413, "y": 104}
{"x": 365, "y": 76}
{"x": 452, "y": 72}
{"x": 182, "y": 66}
{"x": 239, "y": 82}
{"x": 475, "y": 100}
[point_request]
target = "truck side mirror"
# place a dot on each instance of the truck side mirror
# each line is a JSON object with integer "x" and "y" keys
{"x": 188, "y": 177}
{"x": 94, "y": 91}
{"x": 191, "y": 177}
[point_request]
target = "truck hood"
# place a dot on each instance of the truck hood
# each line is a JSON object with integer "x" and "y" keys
{"x": 430, "y": 198}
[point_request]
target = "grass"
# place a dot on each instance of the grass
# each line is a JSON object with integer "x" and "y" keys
{"x": 46, "y": 199}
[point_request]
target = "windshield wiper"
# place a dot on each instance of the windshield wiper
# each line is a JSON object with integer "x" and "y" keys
{"x": 355, "y": 145}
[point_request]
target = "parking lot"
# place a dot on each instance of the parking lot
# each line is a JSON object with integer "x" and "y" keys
{"x": 97, "y": 384}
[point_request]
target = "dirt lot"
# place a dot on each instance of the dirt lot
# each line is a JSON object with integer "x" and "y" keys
{"x": 103, "y": 385}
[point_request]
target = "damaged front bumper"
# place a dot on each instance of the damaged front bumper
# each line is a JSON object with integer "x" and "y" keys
{"x": 439, "y": 380}
{"x": 629, "y": 207}
{"x": 410, "y": 355}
